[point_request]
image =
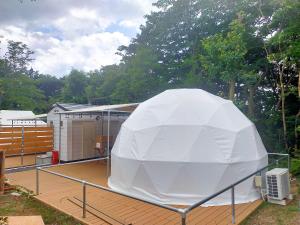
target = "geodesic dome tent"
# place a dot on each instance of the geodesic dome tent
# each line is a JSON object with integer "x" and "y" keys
{"x": 184, "y": 145}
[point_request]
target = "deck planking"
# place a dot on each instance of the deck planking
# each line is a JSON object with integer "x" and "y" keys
{"x": 16, "y": 161}
{"x": 25, "y": 220}
{"x": 108, "y": 208}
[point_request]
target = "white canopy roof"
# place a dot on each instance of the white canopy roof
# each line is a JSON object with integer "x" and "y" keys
{"x": 18, "y": 117}
{"x": 31, "y": 117}
{"x": 184, "y": 145}
{"x": 121, "y": 107}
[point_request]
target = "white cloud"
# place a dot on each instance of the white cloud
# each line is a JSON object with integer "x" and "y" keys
{"x": 84, "y": 13}
{"x": 58, "y": 57}
{"x": 86, "y": 52}
{"x": 131, "y": 23}
{"x": 72, "y": 33}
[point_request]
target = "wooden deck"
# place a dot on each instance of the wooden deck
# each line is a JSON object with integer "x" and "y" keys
{"x": 25, "y": 220}
{"x": 108, "y": 208}
{"x": 16, "y": 161}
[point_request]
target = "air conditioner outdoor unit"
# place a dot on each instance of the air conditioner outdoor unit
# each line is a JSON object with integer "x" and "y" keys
{"x": 278, "y": 184}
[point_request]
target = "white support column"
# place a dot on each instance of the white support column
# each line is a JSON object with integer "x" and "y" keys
{"x": 108, "y": 150}
{"x": 59, "y": 146}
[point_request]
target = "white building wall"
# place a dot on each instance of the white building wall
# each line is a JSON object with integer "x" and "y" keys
{"x": 64, "y": 139}
{"x": 53, "y": 118}
{"x": 69, "y": 141}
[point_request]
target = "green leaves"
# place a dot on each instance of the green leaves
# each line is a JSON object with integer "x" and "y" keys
{"x": 141, "y": 77}
{"x": 74, "y": 87}
{"x": 234, "y": 49}
{"x": 224, "y": 56}
{"x": 20, "y": 92}
{"x": 18, "y": 56}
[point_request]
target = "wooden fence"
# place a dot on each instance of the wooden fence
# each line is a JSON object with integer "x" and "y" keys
{"x": 26, "y": 140}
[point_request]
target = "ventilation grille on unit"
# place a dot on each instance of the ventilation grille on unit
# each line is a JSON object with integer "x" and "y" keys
{"x": 278, "y": 183}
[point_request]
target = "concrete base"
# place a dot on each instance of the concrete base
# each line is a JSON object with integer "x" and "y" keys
{"x": 43, "y": 159}
{"x": 281, "y": 202}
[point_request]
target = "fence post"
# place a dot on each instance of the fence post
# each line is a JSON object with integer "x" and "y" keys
{"x": 83, "y": 199}
{"x": 37, "y": 188}
{"x": 232, "y": 205}
{"x": 22, "y": 147}
{"x": 12, "y": 131}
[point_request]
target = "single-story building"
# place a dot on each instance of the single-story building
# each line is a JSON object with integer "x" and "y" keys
{"x": 81, "y": 131}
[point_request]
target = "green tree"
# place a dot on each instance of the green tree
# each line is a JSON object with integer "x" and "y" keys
{"x": 18, "y": 56}
{"x": 17, "y": 89}
{"x": 283, "y": 49}
{"x": 51, "y": 86}
{"x": 224, "y": 57}
{"x": 74, "y": 87}
{"x": 140, "y": 77}
{"x": 173, "y": 31}
{"x": 103, "y": 83}
{"x": 20, "y": 93}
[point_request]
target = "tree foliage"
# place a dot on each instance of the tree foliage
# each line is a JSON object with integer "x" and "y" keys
{"x": 17, "y": 57}
{"x": 247, "y": 51}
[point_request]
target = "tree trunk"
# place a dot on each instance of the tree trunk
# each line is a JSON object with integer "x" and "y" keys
{"x": 282, "y": 96}
{"x": 299, "y": 83}
{"x": 251, "y": 105}
{"x": 297, "y": 150}
{"x": 231, "y": 90}
{"x": 297, "y": 153}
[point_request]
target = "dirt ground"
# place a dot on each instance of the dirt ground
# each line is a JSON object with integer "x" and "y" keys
{"x": 272, "y": 214}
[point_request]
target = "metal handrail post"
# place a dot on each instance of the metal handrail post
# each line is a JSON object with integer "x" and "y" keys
{"x": 289, "y": 163}
{"x": 281, "y": 154}
{"x": 83, "y": 199}
{"x": 37, "y": 188}
{"x": 183, "y": 218}
{"x": 108, "y": 150}
{"x": 232, "y": 205}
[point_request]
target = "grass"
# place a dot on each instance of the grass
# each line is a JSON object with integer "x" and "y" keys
{"x": 272, "y": 214}
{"x": 26, "y": 205}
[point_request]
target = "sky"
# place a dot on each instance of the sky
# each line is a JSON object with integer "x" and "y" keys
{"x": 66, "y": 34}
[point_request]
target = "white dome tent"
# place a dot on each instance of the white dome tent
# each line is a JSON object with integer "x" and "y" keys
{"x": 184, "y": 145}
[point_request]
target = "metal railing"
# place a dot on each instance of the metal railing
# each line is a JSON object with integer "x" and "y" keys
{"x": 181, "y": 211}
{"x": 47, "y": 165}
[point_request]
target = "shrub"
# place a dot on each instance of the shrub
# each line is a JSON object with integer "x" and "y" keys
{"x": 295, "y": 167}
